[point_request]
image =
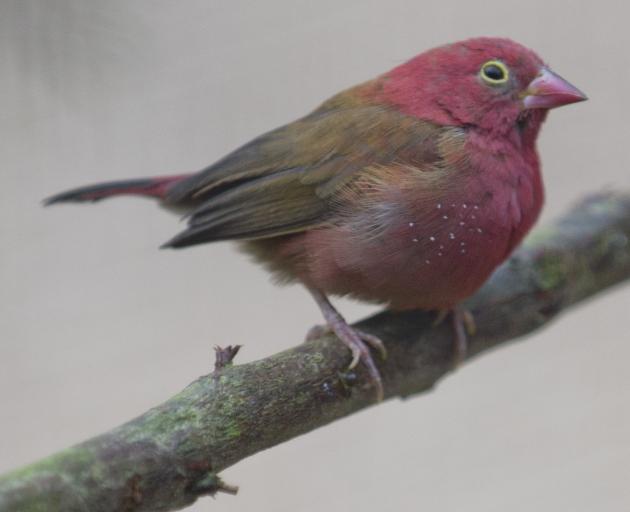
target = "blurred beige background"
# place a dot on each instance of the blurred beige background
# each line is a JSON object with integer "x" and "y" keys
{"x": 97, "y": 325}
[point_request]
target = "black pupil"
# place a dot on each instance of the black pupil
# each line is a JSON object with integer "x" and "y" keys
{"x": 493, "y": 72}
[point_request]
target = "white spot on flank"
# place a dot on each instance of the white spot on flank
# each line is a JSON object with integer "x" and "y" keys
{"x": 462, "y": 243}
{"x": 441, "y": 247}
{"x": 451, "y": 236}
{"x": 439, "y": 205}
{"x": 479, "y": 230}
{"x": 414, "y": 239}
{"x": 432, "y": 238}
{"x": 476, "y": 207}
{"x": 462, "y": 223}
{"x": 439, "y": 254}
{"x": 464, "y": 205}
{"x": 411, "y": 224}
{"x": 463, "y": 251}
{"x": 445, "y": 217}
{"x": 427, "y": 261}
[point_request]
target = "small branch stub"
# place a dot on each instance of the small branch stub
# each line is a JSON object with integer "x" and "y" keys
{"x": 225, "y": 356}
{"x": 212, "y": 484}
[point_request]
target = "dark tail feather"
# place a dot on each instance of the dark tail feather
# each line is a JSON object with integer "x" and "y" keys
{"x": 148, "y": 187}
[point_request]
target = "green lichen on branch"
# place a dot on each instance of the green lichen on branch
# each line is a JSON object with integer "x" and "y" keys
{"x": 168, "y": 457}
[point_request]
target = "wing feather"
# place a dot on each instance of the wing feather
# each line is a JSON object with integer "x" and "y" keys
{"x": 285, "y": 181}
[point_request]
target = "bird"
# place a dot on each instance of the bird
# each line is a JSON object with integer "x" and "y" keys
{"x": 406, "y": 190}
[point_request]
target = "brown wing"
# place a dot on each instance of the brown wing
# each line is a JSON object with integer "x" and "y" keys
{"x": 285, "y": 181}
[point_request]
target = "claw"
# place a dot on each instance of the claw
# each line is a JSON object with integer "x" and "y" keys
{"x": 373, "y": 341}
{"x": 464, "y": 326}
{"x": 440, "y": 317}
{"x": 356, "y": 357}
{"x": 469, "y": 322}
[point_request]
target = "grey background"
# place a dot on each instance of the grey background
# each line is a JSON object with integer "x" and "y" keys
{"x": 97, "y": 325}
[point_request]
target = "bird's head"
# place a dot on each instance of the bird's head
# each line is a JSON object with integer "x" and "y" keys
{"x": 492, "y": 84}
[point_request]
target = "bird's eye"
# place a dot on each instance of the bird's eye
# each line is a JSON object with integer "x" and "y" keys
{"x": 494, "y": 72}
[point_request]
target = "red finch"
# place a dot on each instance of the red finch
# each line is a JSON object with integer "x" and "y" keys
{"x": 407, "y": 190}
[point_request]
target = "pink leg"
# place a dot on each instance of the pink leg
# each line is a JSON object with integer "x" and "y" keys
{"x": 352, "y": 338}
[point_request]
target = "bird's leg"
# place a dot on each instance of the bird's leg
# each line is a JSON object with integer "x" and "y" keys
{"x": 357, "y": 341}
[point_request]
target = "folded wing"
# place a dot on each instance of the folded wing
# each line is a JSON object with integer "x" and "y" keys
{"x": 287, "y": 180}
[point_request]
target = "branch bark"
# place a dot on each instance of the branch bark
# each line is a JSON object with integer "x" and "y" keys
{"x": 171, "y": 455}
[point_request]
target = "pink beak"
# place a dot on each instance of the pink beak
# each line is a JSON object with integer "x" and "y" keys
{"x": 549, "y": 90}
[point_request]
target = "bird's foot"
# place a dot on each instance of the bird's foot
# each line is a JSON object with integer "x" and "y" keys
{"x": 317, "y": 331}
{"x": 463, "y": 326}
{"x": 359, "y": 342}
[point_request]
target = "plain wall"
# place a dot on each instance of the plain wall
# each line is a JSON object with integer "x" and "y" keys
{"x": 97, "y": 325}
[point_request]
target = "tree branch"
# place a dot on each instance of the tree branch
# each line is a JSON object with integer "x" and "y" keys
{"x": 169, "y": 456}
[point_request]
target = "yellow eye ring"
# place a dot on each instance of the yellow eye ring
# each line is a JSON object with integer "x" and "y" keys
{"x": 494, "y": 72}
